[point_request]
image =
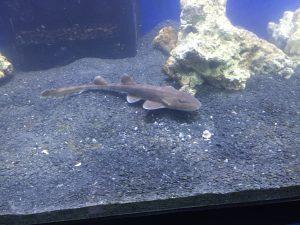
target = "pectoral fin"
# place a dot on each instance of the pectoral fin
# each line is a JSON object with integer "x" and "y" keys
{"x": 150, "y": 105}
{"x": 133, "y": 99}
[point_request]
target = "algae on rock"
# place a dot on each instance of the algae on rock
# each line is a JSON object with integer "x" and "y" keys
{"x": 6, "y": 67}
{"x": 166, "y": 39}
{"x": 211, "y": 49}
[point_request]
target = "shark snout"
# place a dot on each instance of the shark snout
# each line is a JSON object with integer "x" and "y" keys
{"x": 193, "y": 106}
{"x": 187, "y": 103}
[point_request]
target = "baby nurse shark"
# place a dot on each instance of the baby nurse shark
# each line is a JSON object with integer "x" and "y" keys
{"x": 156, "y": 97}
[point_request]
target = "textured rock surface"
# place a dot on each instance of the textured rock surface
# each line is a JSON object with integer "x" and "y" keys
{"x": 166, "y": 39}
{"x": 6, "y": 67}
{"x": 286, "y": 34}
{"x": 93, "y": 154}
{"x": 210, "y": 48}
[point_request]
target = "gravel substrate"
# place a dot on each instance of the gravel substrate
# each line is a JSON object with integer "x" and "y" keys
{"x": 93, "y": 154}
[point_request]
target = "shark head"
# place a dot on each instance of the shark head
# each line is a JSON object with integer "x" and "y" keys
{"x": 183, "y": 101}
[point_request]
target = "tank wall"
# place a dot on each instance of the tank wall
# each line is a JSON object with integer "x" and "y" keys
{"x": 254, "y": 15}
{"x": 155, "y": 11}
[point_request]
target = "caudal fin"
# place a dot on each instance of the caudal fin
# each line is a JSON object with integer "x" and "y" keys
{"x": 61, "y": 92}
{"x": 49, "y": 93}
{"x": 98, "y": 80}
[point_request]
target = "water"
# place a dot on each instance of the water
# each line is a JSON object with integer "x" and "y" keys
{"x": 255, "y": 15}
{"x": 207, "y": 113}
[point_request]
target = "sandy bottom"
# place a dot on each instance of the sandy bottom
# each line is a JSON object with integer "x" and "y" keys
{"x": 96, "y": 149}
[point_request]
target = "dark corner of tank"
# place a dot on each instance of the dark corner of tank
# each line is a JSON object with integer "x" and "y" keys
{"x": 39, "y": 35}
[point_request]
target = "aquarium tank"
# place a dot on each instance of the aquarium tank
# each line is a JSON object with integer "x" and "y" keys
{"x": 124, "y": 107}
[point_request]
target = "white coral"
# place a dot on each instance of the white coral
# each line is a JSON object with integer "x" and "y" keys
{"x": 6, "y": 67}
{"x": 286, "y": 34}
{"x": 218, "y": 52}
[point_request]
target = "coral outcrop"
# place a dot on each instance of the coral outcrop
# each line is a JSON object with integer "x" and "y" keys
{"x": 166, "y": 40}
{"x": 286, "y": 34}
{"x": 211, "y": 49}
{"x": 6, "y": 67}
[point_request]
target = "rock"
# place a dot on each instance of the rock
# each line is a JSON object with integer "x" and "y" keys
{"x": 286, "y": 34}
{"x": 166, "y": 39}
{"x": 281, "y": 32}
{"x": 6, "y": 67}
{"x": 206, "y": 135}
{"x": 211, "y": 49}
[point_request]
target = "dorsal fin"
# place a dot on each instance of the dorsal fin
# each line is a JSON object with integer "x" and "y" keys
{"x": 98, "y": 80}
{"x": 126, "y": 79}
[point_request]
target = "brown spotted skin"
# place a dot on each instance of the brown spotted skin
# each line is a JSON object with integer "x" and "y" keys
{"x": 167, "y": 96}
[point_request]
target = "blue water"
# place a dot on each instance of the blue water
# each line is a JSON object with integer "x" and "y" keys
{"x": 254, "y": 15}
{"x": 153, "y": 12}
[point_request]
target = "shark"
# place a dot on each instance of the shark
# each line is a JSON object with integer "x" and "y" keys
{"x": 155, "y": 97}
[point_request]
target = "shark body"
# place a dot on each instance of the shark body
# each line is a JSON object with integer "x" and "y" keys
{"x": 156, "y": 97}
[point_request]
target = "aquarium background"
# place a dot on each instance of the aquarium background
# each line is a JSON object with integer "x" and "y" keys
{"x": 240, "y": 147}
{"x": 156, "y": 11}
{"x": 253, "y": 15}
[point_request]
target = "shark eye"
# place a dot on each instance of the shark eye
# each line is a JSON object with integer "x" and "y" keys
{"x": 181, "y": 101}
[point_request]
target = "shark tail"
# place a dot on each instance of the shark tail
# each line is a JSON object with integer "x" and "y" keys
{"x": 60, "y": 92}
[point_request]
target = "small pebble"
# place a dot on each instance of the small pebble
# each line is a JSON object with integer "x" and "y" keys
{"x": 45, "y": 151}
{"x": 78, "y": 164}
{"x": 207, "y": 135}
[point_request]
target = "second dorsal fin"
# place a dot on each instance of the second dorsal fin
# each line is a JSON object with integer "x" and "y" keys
{"x": 126, "y": 79}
